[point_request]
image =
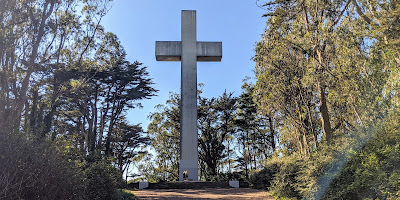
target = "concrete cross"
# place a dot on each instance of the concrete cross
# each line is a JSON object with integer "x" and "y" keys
{"x": 188, "y": 51}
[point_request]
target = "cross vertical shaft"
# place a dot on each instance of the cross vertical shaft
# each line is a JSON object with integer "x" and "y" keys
{"x": 188, "y": 117}
{"x": 188, "y": 51}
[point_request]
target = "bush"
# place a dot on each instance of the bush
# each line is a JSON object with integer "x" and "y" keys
{"x": 373, "y": 172}
{"x": 362, "y": 165}
{"x": 102, "y": 181}
{"x": 285, "y": 181}
{"x": 263, "y": 178}
{"x": 34, "y": 170}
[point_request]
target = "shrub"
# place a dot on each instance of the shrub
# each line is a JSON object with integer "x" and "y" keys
{"x": 285, "y": 182}
{"x": 239, "y": 176}
{"x": 372, "y": 172}
{"x": 102, "y": 180}
{"x": 34, "y": 170}
{"x": 362, "y": 165}
{"x": 263, "y": 178}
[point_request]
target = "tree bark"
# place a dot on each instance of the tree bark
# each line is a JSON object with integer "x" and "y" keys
{"x": 323, "y": 109}
{"x": 360, "y": 13}
{"x": 17, "y": 114}
{"x": 271, "y": 134}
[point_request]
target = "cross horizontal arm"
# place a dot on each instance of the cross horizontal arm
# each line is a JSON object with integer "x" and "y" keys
{"x": 209, "y": 51}
{"x": 168, "y": 51}
{"x": 172, "y": 51}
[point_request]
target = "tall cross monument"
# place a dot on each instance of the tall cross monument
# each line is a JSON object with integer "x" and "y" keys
{"x": 188, "y": 51}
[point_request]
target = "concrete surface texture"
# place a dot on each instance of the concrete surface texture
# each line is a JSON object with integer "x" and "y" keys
{"x": 188, "y": 51}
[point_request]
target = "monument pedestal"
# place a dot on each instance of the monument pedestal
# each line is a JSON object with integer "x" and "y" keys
{"x": 190, "y": 185}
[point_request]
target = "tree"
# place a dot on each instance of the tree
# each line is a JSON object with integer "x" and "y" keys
{"x": 325, "y": 74}
{"x": 215, "y": 125}
{"x": 164, "y": 131}
{"x": 226, "y": 106}
{"x": 64, "y": 81}
{"x": 125, "y": 143}
{"x": 95, "y": 105}
{"x": 37, "y": 41}
{"x": 127, "y": 83}
{"x": 254, "y": 140}
{"x": 317, "y": 82}
{"x": 215, "y": 122}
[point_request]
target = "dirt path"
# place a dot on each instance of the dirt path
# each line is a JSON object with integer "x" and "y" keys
{"x": 231, "y": 194}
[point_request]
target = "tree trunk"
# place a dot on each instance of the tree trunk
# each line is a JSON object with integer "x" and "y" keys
{"x": 33, "y": 115}
{"x": 109, "y": 134}
{"x": 271, "y": 137}
{"x": 48, "y": 119}
{"x": 326, "y": 125}
{"x": 20, "y": 102}
{"x": 301, "y": 144}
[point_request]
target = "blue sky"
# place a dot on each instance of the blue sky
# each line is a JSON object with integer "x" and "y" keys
{"x": 139, "y": 23}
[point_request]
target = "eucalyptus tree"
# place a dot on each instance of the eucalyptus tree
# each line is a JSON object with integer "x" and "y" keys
{"x": 382, "y": 18}
{"x": 38, "y": 39}
{"x": 164, "y": 132}
{"x": 312, "y": 68}
{"x": 325, "y": 71}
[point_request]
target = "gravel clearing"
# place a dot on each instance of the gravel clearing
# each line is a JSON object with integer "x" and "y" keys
{"x": 210, "y": 193}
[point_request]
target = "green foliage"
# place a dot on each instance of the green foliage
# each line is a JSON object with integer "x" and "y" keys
{"x": 264, "y": 178}
{"x": 360, "y": 166}
{"x": 284, "y": 183}
{"x": 126, "y": 141}
{"x": 164, "y": 132}
{"x": 102, "y": 180}
{"x": 64, "y": 91}
{"x": 227, "y": 126}
{"x": 216, "y": 125}
{"x": 126, "y": 195}
{"x": 33, "y": 170}
{"x": 56, "y": 40}
{"x": 327, "y": 72}
{"x": 255, "y": 133}
{"x": 373, "y": 172}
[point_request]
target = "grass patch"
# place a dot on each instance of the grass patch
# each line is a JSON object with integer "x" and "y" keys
{"x": 124, "y": 194}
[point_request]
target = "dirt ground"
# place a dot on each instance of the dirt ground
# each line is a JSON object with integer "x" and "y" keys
{"x": 231, "y": 194}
